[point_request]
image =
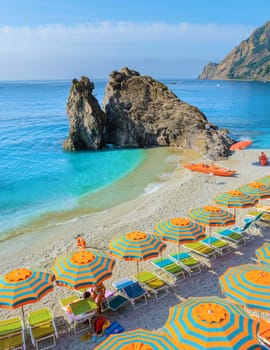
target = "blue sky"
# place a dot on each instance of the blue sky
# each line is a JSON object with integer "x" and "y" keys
{"x": 62, "y": 39}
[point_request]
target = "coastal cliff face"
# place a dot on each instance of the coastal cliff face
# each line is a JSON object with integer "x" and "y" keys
{"x": 142, "y": 112}
{"x": 248, "y": 61}
{"x": 86, "y": 118}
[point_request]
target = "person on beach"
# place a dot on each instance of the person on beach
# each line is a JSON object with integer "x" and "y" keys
{"x": 98, "y": 294}
{"x": 263, "y": 159}
{"x": 81, "y": 243}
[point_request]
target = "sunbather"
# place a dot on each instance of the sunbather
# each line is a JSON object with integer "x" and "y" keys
{"x": 98, "y": 294}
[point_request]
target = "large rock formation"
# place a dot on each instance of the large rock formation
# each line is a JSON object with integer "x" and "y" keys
{"x": 142, "y": 112}
{"x": 86, "y": 118}
{"x": 248, "y": 61}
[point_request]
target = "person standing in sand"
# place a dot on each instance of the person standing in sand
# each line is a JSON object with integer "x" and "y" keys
{"x": 98, "y": 294}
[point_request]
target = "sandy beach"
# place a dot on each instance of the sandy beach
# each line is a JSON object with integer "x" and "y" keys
{"x": 183, "y": 191}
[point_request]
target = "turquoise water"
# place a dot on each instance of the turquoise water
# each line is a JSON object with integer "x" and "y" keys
{"x": 37, "y": 177}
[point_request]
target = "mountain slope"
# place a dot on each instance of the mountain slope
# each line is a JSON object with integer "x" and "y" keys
{"x": 248, "y": 61}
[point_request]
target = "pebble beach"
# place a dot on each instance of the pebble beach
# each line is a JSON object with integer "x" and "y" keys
{"x": 183, "y": 191}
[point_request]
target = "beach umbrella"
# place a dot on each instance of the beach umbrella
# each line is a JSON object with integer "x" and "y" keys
{"x": 139, "y": 339}
{"x": 263, "y": 254}
{"x": 256, "y": 189}
{"x": 24, "y": 286}
{"x": 211, "y": 323}
{"x": 265, "y": 180}
{"x": 137, "y": 246}
{"x": 241, "y": 145}
{"x": 212, "y": 216}
{"x": 82, "y": 269}
{"x": 248, "y": 285}
{"x": 180, "y": 230}
{"x": 236, "y": 199}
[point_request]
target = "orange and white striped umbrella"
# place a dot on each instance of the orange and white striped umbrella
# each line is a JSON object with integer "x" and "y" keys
{"x": 82, "y": 269}
{"x": 248, "y": 285}
{"x": 139, "y": 339}
{"x": 211, "y": 323}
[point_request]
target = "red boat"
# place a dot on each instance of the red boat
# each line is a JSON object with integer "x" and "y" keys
{"x": 209, "y": 169}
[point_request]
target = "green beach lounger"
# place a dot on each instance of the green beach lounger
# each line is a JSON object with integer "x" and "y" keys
{"x": 188, "y": 262}
{"x": 12, "y": 334}
{"x": 168, "y": 270}
{"x": 231, "y": 236}
{"x": 201, "y": 249}
{"x": 152, "y": 283}
{"x": 219, "y": 245}
{"x": 42, "y": 329}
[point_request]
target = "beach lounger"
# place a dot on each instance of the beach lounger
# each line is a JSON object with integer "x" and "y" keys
{"x": 135, "y": 294}
{"x": 12, "y": 334}
{"x": 168, "y": 270}
{"x": 152, "y": 283}
{"x": 231, "y": 236}
{"x": 246, "y": 230}
{"x": 219, "y": 245}
{"x": 75, "y": 313}
{"x": 188, "y": 262}
{"x": 42, "y": 329}
{"x": 257, "y": 216}
{"x": 201, "y": 249}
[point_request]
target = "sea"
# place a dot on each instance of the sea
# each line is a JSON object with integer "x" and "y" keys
{"x": 39, "y": 182}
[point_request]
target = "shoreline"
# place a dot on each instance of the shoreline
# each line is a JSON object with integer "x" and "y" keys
{"x": 153, "y": 172}
{"x": 182, "y": 191}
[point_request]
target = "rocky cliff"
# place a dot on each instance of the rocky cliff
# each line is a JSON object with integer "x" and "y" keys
{"x": 248, "y": 61}
{"x": 86, "y": 119}
{"x": 142, "y": 112}
{"x": 139, "y": 112}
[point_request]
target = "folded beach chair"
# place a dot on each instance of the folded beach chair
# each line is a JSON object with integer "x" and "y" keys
{"x": 168, "y": 270}
{"x": 219, "y": 245}
{"x": 42, "y": 329}
{"x": 231, "y": 236}
{"x": 135, "y": 294}
{"x": 113, "y": 300}
{"x": 12, "y": 334}
{"x": 201, "y": 249}
{"x": 188, "y": 262}
{"x": 256, "y": 217}
{"x": 246, "y": 230}
{"x": 152, "y": 283}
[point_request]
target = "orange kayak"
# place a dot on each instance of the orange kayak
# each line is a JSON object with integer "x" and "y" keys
{"x": 240, "y": 145}
{"x": 209, "y": 169}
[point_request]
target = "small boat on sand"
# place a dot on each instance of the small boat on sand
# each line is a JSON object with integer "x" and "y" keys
{"x": 209, "y": 169}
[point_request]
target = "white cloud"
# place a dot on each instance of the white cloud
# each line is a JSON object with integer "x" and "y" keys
{"x": 97, "y": 48}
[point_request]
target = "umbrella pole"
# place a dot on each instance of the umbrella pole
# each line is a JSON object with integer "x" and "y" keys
{"x": 137, "y": 261}
{"x": 179, "y": 247}
{"x": 209, "y": 239}
{"x": 23, "y": 320}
